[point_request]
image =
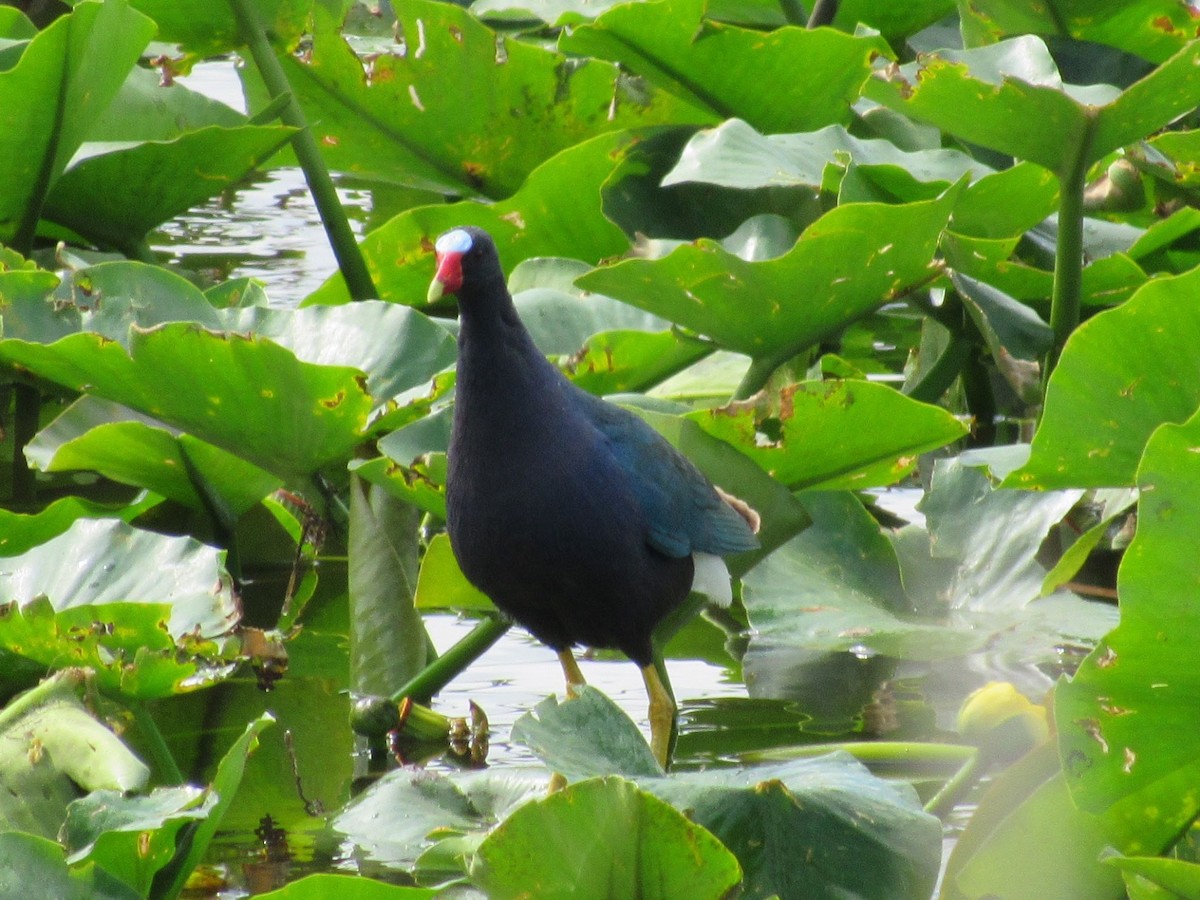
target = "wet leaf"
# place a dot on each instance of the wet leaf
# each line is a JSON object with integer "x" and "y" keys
{"x": 1135, "y": 687}
{"x": 852, "y": 260}
{"x": 52, "y": 749}
{"x": 1123, "y": 373}
{"x": 636, "y": 845}
{"x": 148, "y": 613}
{"x": 720, "y": 67}
{"x": 1026, "y": 814}
{"x": 821, "y": 435}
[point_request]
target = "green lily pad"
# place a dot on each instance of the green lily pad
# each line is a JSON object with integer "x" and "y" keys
{"x": 850, "y": 261}
{"x": 115, "y": 611}
{"x": 159, "y": 179}
{"x": 20, "y": 532}
{"x": 1122, "y": 720}
{"x": 292, "y": 419}
{"x": 212, "y": 29}
{"x": 346, "y": 887}
{"x": 735, "y": 155}
{"x": 413, "y": 116}
{"x": 830, "y": 808}
{"x": 66, "y": 76}
{"x": 721, "y": 67}
{"x": 557, "y": 212}
{"x": 26, "y": 859}
{"x": 393, "y": 822}
{"x": 978, "y": 94}
{"x": 1153, "y": 29}
{"x": 1123, "y": 373}
{"x": 1026, "y": 815}
{"x": 51, "y": 747}
{"x": 820, "y": 435}
{"x": 132, "y": 837}
{"x": 104, "y": 437}
{"x": 538, "y": 849}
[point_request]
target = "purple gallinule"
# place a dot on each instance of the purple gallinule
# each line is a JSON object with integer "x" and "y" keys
{"x": 573, "y": 515}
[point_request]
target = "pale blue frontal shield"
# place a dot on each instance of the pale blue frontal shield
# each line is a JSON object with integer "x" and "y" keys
{"x": 456, "y": 241}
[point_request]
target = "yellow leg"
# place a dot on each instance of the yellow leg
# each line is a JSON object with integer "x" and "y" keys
{"x": 571, "y": 671}
{"x": 662, "y": 716}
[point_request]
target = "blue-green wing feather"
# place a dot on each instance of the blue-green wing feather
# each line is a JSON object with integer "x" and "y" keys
{"x": 684, "y": 512}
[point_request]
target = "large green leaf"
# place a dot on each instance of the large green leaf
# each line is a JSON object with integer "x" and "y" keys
{"x": 460, "y": 108}
{"x": 735, "y": 155}
{"x": 585, "y": 736}
{"x": 557, "y": 212}
{"x": 392, "y": 822}
{"x": 242, "y": 393}
{"x": 159, "y": 180}
{"x": 387, "y": 637}
{"x": 723, "y": 68}
{"x": 794, "y": 826}
{"x": 398, "y": 348}
{"x": 1153, "y": 29}
{"x": 170, "y": 880}
{"x": 105, "y": 437}
{"x": 636, "y": 845}
{"x": 66, "y": 76}
{"x": 346, "y": 887}
{"x": 132, "y": 836}
{"x": 141, "y": 609}
{"x": 970, "y": 578}
{"x": 51, "y": 747}
{"x": 979, "y": 94}
{"x": 852, "y": 260}
{"x": 1124, "y": 720}
{"x": 209, "y": 29}
{"x": 1122, "y": 374}
{"x": 20, "y": 532}
{"x": 27, "y": 860}
{"x": 1027, "y": 840}
{"x": 821, "y": 435}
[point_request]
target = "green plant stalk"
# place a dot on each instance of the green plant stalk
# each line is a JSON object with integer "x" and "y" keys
{"x": 446, "y": 667}
{"x": 27, "y": 403}
{"x": 945, "y": 369}
{"x": 1068, "y": 258}
{"x": 333, "y": 217}
{"x": 980, "y": 402}
{"x": 760, "y": 371}
{"x": 823, "y": 13}
{"x": 903, "y": 759}
{"x": 155, "y": 743}
{"x": 943, "y": 802}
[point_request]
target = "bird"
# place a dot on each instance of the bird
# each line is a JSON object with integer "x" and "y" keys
{"x": 575, "y": 517}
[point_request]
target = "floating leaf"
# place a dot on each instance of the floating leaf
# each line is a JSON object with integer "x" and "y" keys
{"x": 636, "y": 845}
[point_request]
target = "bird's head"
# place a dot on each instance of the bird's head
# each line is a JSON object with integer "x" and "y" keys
{"x": 466, "y": 257}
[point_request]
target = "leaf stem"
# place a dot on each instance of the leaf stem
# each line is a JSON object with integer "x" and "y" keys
{"x": 938, "y": 378}
{"x": 446, "y": 667}
{"x": 823, "y": 13}
{"x": 27, "y": 404}
{"x": 760, "y": 371}
{"x": 943, "y": 802}
{"x": 333, "y": 216}
{"x": 155, "y": 743}
{"x": 1068, "y": 258}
